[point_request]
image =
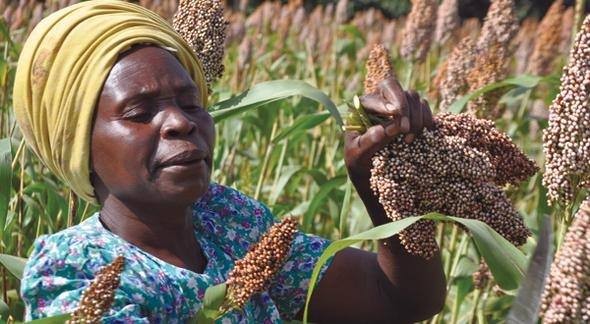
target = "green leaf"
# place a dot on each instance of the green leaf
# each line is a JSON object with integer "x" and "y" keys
{"x": 524, "y": 81}
{"x": 376, "y": 233}
{"x": 505, "y": 261}
{"x": 5, "y": 180}
{"x": 320, "y": 197}
{"x": 4, "y": 310}
{"x": 286, "y": 175}
{"x": 14, "y": 264}
{"x": 58, "y": 319}
{"x": 270, "y": 91}
{"x": 525, "y": 308}
{"x": 302, "y": 123}
{"x": 214, "y": 298}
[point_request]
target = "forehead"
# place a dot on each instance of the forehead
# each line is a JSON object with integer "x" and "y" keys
{"x": 147, "y": 69}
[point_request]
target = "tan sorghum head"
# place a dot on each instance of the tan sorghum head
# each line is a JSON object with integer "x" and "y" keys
{"x": 567, "y": 26}
{"x": 500, "y": 25}
{"x": 455, "y": 169}
{"x": 447, "y": 20}
{"x": 489, "y": 67}
{"x": 458, "y": 169}
{"x": 378, "y": 67}
{"x": 202, "y": 25}
{"x": 566, "y": 298}
{"x": 547, "y": 40}
{"x": 453, "y": 82}
{"x": 98, "y": 297}
{"x": 253, "y": 273}
{"x": 419, "y": 30}
{"x": 524, "y": 43}
{"x": 566, "y": 141}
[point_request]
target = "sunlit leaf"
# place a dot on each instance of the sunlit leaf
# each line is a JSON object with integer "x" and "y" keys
{"x": 270, "y": 91}
{"x": 319, "y": 198}
{"x": 505, "y": 261}
{"x": 303, "y": 123}
{"x": 14, "y": 264}
{"x": 524, "y": 81}
{"x": 210, "y": 310}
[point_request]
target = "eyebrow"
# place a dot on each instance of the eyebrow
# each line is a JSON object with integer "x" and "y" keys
{"x": 146, "y": 93}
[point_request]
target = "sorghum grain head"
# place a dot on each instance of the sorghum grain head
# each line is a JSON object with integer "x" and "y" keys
{"x": 456, "y": 169}
{"x": 378, "y": 68}
{"x": 548, "y": 39}
{"x": 489, "y": 67}
{"x": 566, "y": 141}
{"x": 253, "y": 273}
{"x": 419, "y": 29}
{"x": 500, "y": 25}
{"x": 447, "y": 20}
{"x": 567, "y": 291}
{"x": 453, "y": 82}
{"x": 98, "y": 297}
{"x": 202, "y": 25}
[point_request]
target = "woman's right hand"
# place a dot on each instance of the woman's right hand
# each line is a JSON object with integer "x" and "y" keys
{"x": 406, "y": 113}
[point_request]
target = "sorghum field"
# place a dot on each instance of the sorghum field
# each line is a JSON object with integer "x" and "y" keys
{"x": 506, "y": 70}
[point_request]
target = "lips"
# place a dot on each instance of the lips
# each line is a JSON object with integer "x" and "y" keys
{"x": 185, "y": 157}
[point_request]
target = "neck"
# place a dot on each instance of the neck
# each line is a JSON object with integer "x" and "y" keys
{"x": 147, "y": 226}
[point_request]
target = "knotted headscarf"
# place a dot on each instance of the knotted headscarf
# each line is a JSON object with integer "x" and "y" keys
{"x": 61, "y": 71}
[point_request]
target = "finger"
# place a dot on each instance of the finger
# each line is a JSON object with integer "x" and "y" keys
{"x": 416, "y": 123}
{"x": 376, "y": 104}
{"x": 377, "y": 137}
{"x": 351, "y": 139}
{"x": 395, "y": 95}
{"x": 426, "y": 114}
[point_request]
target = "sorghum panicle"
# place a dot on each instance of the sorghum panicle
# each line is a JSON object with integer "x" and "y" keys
{"x": 202, "y": 25}
{"x": 98, "y": 297}
{"x": 454, "y": 169}
{"x": 453, "y": 82}
{"x": 447, "y": 20}
{"x": 253, "y": 273}
{"x": 419, "y": 29}
{"x": 567, "y": 26}
{"x": 567, "y": 291}
{"x": 566, "y": 141}
{"x": 489, "y": 67}
{"x": 378, "y": 67}
{"x": 525, "y": 42}
{"x": 548, "y": 39}
{"x": 500, "y": 25}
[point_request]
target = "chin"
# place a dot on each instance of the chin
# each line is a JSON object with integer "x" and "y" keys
{"x": 186, "y": 193}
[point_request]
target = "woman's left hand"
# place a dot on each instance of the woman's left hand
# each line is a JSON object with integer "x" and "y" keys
{"x": 407, "y": 114}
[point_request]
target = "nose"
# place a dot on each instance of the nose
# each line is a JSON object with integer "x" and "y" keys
{"x": 176, "y": 123}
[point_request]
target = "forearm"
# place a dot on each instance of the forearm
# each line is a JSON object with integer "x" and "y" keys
{"x": 421, "y": 282}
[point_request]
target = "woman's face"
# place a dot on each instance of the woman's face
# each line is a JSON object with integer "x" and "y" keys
{"x": 152, "y": 143}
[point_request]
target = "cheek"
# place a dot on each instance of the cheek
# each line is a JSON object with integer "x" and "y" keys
{"x": 120, "y": 156}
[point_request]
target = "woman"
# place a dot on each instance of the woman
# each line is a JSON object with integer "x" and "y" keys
{"x": 113, "y": 101}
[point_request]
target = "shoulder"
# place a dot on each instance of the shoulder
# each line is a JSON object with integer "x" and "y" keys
{"x": 61, "y": 265}
{"x": 83, "y": 242}
{"x": 230, "y": 216}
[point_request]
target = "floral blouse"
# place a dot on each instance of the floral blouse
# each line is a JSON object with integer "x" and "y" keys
{"x": 226, "y": 224}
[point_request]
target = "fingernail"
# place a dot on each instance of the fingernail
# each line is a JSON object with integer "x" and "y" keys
{"x": 390, "y": 107}
{"x": 405, "y": 124}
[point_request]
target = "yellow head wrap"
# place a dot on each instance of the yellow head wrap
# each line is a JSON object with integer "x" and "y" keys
{"x": 61, "y": 71}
